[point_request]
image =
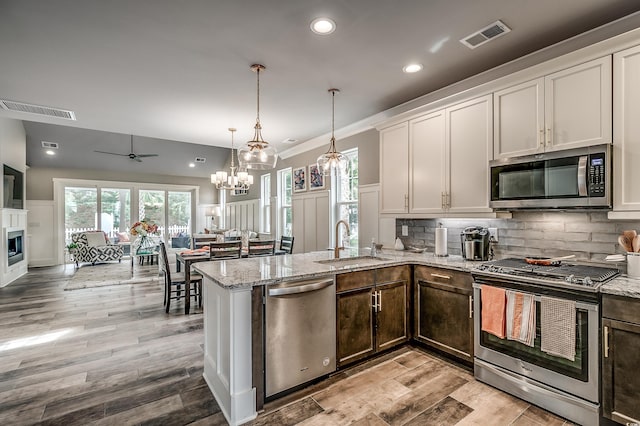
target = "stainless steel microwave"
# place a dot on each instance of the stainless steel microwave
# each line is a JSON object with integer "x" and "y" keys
{"x": 575, "y": 178}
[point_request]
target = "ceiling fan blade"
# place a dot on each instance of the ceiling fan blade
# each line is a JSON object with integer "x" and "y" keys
{"x": 136, "y": 159}
{"x": 146, "y": 155}
{"x": 112, "y": 153}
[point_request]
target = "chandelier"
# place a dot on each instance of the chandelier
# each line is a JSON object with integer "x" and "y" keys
{"x": 232, "y": 181}
{"x": 257, "y": 153}
{"x": 332, "y": 159}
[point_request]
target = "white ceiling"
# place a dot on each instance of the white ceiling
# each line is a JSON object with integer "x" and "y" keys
{"x": 179, "y": 70}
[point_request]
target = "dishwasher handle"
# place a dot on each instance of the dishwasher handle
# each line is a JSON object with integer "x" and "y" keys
{"x": 302, "y": 287}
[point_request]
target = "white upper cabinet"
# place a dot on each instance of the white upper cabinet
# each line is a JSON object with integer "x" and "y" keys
{"x": 427, "y": 159}
{"x": 626, "y": 145}
{"x": 394, "y": 169}
{"x": 567, "y": 109}
{"x": 469, "y": 150}
{"x": 448, "y": 153}
{"x": 519, "y": 119}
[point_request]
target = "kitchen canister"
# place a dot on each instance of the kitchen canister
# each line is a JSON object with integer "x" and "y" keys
{"x": 441, "y": 241}
{"x": 633, "y": 265}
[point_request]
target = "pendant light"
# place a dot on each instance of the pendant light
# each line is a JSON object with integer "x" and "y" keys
{"x": 332, "y": 159}
{"x": 257, "y": 153}
{"x": 232, "y": 181}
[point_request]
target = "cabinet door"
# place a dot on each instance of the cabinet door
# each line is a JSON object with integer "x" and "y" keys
{"x": 427, "y": 163}
{"x": 620, "y": 381}
{"x": 391, "y": 314}
{"x": 394, "y": 169}
{"x": 444, "y": 318}
{"x": 354, "y": 325}
{"x": 626, "y": 113}
{"x": 470, "y": 147}
{"x": 518, "y": 117}
{"x": 578, "y": 106}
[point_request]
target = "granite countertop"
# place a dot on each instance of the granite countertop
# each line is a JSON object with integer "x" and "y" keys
{"x": 622, "y": 286}
{"x": 249, "y": 272}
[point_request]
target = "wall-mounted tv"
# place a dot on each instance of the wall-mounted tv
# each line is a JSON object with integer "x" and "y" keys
{"x": 12, "y": 194}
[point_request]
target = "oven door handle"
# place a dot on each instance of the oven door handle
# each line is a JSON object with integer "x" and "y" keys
{"x": 579, "y": 305}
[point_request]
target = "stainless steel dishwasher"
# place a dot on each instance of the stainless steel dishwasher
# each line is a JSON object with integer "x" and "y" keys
{"x": 300, "y": 332}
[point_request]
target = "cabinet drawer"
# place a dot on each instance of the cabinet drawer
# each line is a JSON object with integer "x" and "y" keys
{"x": 448, "y": 277}
{"x": 621, "y": 308}
{"x": 393, "y": 274}
{"x": 355, "y": 280}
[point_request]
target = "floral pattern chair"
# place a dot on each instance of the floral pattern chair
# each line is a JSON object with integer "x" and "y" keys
{"x": 94, "y": 246}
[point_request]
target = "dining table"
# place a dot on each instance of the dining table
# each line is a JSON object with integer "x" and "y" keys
{"x": 187, "y": 259}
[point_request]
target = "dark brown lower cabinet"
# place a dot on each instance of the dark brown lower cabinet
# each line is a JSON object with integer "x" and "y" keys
{"x": 444, "y": 310}
{"x": 621, "y": 359}
{"x": 372, "y": 310}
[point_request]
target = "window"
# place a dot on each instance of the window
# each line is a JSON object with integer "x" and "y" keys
{"x": 285, "y": 218}
{"x": 346, "y": 199}
{"x": 265, "y": 204}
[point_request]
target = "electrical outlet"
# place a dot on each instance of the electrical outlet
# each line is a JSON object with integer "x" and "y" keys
{"x": 493, "y": 232}
{"x": 405, "y": 230}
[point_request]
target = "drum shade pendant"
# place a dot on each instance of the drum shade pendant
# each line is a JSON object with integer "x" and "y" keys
{"x": 232, "y": 181}
{"x": 332, "y": 159}
{"x": 257, "y": 153}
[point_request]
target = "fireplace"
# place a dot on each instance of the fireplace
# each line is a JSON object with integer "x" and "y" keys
{"x": 14, "y": 246}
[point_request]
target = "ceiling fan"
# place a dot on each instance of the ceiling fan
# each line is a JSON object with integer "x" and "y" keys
{"x": 132, "y": 155}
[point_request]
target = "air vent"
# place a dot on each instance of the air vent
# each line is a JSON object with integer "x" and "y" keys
{"x": 486, "y": 34}
{"x": 290, "y": 140}
{"x": 37, "y": 109}
{"x": 49, "y": 145}
{"x": 200, "y": 159}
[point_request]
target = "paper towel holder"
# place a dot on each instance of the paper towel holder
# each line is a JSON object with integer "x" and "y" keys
{"x": 441, "y": 246}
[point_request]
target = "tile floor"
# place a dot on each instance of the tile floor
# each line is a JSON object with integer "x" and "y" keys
{"x": 407, "y": 387}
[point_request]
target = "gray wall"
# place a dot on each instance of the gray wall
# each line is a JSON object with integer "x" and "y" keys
{"x": 40, "y": 181}
{"x": 588, "y": 235}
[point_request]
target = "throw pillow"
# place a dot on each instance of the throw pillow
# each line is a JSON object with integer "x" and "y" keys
{"x": 123, "y": 237}
{"x": 95, "y": 239}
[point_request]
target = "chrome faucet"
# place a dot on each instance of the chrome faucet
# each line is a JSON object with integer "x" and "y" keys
{"x": 336, "y": 250}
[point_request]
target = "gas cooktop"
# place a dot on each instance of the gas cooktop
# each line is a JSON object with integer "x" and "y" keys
{"x": 586, "y": 277}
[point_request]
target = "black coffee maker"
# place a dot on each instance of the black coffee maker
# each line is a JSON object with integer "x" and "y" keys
{"x": 475, "y": 243}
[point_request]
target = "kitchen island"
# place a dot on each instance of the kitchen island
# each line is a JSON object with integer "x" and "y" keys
{"x": 233, "y": 292}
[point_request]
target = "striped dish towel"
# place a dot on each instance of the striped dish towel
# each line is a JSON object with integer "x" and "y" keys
{"x": 521, "y": 317}
{"x": 558, "y": 327}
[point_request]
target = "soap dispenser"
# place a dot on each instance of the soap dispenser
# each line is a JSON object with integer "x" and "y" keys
{"x": 399, "y": 245}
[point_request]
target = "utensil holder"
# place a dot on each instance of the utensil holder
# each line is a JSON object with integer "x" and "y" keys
{"x": 633, "y": 265}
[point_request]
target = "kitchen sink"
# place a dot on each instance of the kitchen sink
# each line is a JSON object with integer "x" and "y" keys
{"x": 348, "y": 261}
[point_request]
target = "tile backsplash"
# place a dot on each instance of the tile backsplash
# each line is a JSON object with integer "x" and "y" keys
{"x": 588, "y": 235}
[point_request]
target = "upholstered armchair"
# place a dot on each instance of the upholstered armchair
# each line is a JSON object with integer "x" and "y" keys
{"x": 94, "y": 246}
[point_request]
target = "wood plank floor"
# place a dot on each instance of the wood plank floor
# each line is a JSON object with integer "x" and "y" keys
{"x": 112, "y": 356}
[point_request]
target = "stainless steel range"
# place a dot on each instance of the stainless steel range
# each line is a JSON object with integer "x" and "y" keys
{"x": 569, "y": 388}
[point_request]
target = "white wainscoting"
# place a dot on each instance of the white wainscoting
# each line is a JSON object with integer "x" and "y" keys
{"x": 243, "y": 215}
{"x": 310, "y": 221}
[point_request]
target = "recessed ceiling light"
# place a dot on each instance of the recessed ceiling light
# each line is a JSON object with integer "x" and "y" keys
{"x": 192, "y": 165}
{"x": 323, "y": 26}
{"x": 411, "y": 68}
{"x": 50, "y": 152}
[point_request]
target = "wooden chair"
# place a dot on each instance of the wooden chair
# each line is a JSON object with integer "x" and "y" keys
{"x": 226, "y": 250}
{"x": 286, "y": 244}
{"x": 173, "y": 282}
{"x": 261, "y": 248}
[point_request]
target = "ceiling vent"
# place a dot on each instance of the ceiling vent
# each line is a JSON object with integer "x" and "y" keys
{"x": 49, "y": 145}
{"x": 37, "y": 109}
{"x": 486, "y": 34}
{"x": 290, "y": 140}
{"x": 200, "y": 159}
